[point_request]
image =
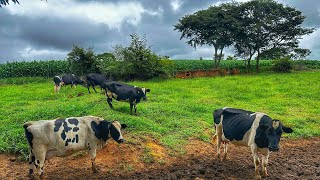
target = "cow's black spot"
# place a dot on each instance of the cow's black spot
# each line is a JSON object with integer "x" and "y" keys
{"x": 73, "y": 140}
{"x": 115, "y": 134}
{"x": 38, "y": 162}
{"x": 77, "y": 138}
{"x": 29, "y": 136}
{"x": 66, "y": 128}
{"x": 73, "y": 121}
{"x": 57, "y": 124}
{"x": 75, "y": 129}
{"x": 236, "y": 125}
{"x": 261, "y": 138}
{"x": 33, "y": 158}
{"x": 63, "y": 135}
{"x": 67, "y": 141}
{"x": 101, "y": 130}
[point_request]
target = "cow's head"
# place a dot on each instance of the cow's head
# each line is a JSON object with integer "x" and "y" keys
{"x": 270, "y": 134}
{"x": 144, "y": 91}
{"x": 115, "y": 131}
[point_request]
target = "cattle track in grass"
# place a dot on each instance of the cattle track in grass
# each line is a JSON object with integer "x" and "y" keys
{"x": 297, "y": 159}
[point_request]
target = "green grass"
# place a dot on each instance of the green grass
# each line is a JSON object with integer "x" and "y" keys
{"x": 177, "y": 109}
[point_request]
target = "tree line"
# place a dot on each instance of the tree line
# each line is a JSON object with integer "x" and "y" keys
{"x": 263, "y": 29}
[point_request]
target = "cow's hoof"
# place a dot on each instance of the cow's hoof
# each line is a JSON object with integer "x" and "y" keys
{"x": 95, "y": 170}
{"x": 257, "y": 177}
{"x": 218, "y": 156}
{"x": 224, "y": 158}
{"x": 264, "y": 175}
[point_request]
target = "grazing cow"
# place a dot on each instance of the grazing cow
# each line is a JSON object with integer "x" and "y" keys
{"x": 62, "y": 137}
{"x": 67, "y": 79}
{"x": 245, "y": 128}
{"x": 94, "y": 79}
{"x": 124, "y": 92}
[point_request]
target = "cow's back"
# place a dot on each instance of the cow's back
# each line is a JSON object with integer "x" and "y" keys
{"x": 235, "y": 126}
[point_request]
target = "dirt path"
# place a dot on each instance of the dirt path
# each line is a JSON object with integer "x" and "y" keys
{"x": 297, "y": 159}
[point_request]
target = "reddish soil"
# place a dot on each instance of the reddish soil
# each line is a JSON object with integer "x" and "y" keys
{"x": 297, "y": 159}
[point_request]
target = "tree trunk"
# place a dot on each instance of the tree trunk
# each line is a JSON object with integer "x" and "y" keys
{"x": 215, "y": 57}
{"x": 220, "y": 57}
{"x": 257, "y": 63}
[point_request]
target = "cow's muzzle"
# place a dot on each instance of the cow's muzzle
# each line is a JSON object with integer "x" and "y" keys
{"x": 121, "y": 141}
{"x": 273, "y": 148}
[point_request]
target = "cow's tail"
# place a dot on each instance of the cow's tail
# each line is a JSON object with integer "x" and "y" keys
{"x": 28, "y": 134}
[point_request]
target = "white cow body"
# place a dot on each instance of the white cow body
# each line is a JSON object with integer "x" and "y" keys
{"x": 62, "y": 137}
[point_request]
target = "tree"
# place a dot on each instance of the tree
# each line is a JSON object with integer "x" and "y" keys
{"x": 268, "y": 28}
{"x": 213, "y": 26}
{"x": 137, "y": 61}
{"x": 82, "y": 61}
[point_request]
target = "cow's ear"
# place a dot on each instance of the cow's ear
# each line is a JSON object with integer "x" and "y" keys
{"x": 123, "y": 126}
{"x": 287, "y": 129}
{"x": 147, "y": 90}
{"x": 263, "y": 127}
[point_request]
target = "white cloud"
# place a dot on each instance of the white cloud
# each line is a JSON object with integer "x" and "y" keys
{"x": 176, "y": 4}
{"x": 108, "y": 13}
{"x": 31, "y": 53}
{"x": 308, "y": 41}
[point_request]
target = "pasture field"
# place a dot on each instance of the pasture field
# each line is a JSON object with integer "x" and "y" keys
{"x": 176, "y": 111}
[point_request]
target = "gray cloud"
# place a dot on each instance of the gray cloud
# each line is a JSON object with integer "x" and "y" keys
{"x": 42, "y": 35}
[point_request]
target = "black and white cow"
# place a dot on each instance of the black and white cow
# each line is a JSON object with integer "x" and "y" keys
{"x": 124, "y": 92}
{"x": 95, "y": 79}
{"x": 246, "y": 128}
{"x": 62, "y": 137}
{"x": 67, "y": 79}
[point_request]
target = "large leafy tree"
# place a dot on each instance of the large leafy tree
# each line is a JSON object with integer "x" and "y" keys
{"x": 82, "y": 61}
{"x": 269, "y": 28}
{"x": 213, "y": 26}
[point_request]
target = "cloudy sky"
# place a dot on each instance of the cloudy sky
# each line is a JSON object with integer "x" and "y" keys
{"x": 39, "y": 30}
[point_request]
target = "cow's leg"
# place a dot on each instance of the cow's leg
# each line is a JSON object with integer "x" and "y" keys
{"x": 256, "y": 161}
{"x": 135, "y": 109}
{"x": 109, "y": 100}
{"x": 218, "y": 137}
{"x": 40, "y": 156}
{"x": 131, "y": 106}
{"x": 31, "y": 163}
{"x": 225, "y": 155}
{"x": 92, "y": 153}
{"x": 265, "y": 164}
{"x": 94, "y": 88}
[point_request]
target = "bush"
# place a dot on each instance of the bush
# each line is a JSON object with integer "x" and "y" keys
{"x": 283, "y": 65}
{"x": 136, "y": 61}
{"x": 82, "y": 61}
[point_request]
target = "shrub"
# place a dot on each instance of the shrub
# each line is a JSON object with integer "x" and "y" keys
{"x": 283, "y": 65}
{"x": 136, "y": 61}
{"x": 82, "y": 61}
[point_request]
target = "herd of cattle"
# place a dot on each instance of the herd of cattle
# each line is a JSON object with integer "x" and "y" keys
{"x": 113, "y": 89}
{"x": 62, "y": 137}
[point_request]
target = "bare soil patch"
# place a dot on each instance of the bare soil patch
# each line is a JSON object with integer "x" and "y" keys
{"x": 297, "y": 159}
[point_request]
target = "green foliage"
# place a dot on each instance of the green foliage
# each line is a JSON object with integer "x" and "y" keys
{"x": 33, "y": 68}
{"x": 177, "y": 109}
{"x": 213, "y": 27}
{"x": 136, "y": 61}
{"x": 283, "y": 65}
{"x": 82, "y": 61}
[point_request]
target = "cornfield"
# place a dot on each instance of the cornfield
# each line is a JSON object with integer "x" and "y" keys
{"x": 57, "y": 67}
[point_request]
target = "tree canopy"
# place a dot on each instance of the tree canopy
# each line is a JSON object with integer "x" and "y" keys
{"x": 213, "y": 27}
{"x": 260, "y": 28}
